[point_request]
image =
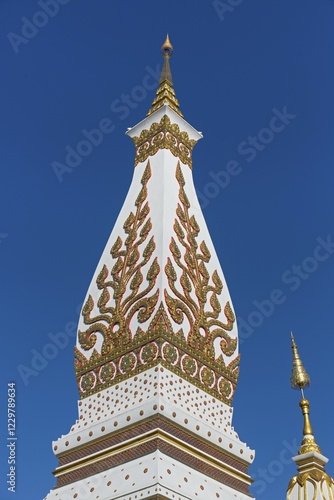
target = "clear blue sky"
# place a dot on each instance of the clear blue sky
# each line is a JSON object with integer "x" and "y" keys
{"x": 236, "y": 72}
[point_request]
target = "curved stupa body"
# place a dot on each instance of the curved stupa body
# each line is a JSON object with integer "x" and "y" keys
{"x": 158, "y": 294}
{"x": 156, "y": 356}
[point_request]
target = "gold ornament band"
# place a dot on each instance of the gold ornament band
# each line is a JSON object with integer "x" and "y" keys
{"x": 164, "y": 135}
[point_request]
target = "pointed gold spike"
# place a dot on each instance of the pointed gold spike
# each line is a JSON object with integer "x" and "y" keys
{"x": 167, "y": 47}
{"x": 165, "y": 93}
{"x": 299, "y": 378}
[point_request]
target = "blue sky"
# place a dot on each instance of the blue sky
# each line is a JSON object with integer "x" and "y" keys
{"x": 257, "y": 79}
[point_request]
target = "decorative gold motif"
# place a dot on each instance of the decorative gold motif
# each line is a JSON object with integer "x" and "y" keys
{"x": 318, "y": 478}
{"x": 189, "y": 365}
{"x": 207, "y": 377}
{"x": 149, "y": 352}
{"x": 88, "y": 381}
{"x": 164, "y": 135}
{"x": 170, "y": 353}
{"x": 189, "y": 355}
{"x": 113, "y": 322}
{"x": 128, "y": 362}
{"x": 198, "y": 288}
{"x": 165, "y": 95}
{"x": 299, "y": 378}
{"x": 107, "y": 372}
{"x": 309, "y": 444}
{"x": 122, "y": 284}
{"x": 225, "y": 387}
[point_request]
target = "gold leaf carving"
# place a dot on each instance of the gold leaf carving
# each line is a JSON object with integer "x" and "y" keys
{"x": 127, "y": 290}
{"x": 115, "y": 248}
{"x": 123, "y": 282}
{"x": 201, "y": 308}
{"x": 164, "y": 135}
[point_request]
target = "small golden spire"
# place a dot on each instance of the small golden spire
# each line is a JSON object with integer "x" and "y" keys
{"x": 167, "y": 51}
{"x": 165, "y": 93}
{"x": 300, "y": 380}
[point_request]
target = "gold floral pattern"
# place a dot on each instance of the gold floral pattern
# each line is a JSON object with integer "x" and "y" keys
{"x": 207, "y": 377}
{"x": 107, "y": 372}
{"x": 149, "y": 352}
{"x": 195, "y": 290}
{"x": 123, "y": 282}
{"x": 189, "y": 365}
{"x": 225, "y": 387}
{"x": 170, "y": 353}
{"x": 128, "y": 362}
{"x": 88, "y": 381}
{"x": 164, "y": 135}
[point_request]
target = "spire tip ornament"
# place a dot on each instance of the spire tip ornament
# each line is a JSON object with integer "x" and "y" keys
{"x": 300, "y": 380}
{"x": 165, "y": 93}
{"x": 167, "y": 48}
{"x": 299, "y": 377}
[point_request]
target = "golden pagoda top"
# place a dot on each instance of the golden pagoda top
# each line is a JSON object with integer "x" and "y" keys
{"x": 311, "y": 482}
{"x": 165, "y": 93}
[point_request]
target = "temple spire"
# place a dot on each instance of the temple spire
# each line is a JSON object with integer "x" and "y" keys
{"x": 312, "y": 482}
{"x": 156, "y": 355}
{"x": 165, "y": 93}
{"x": 300, "y": 380}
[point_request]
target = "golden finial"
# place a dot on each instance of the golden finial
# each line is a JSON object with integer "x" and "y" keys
{"x": 167, "y": 51}
{"x": 167, "y": 47}
{"x": 165, "y": 93}
{"x": 300, "y": 380}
